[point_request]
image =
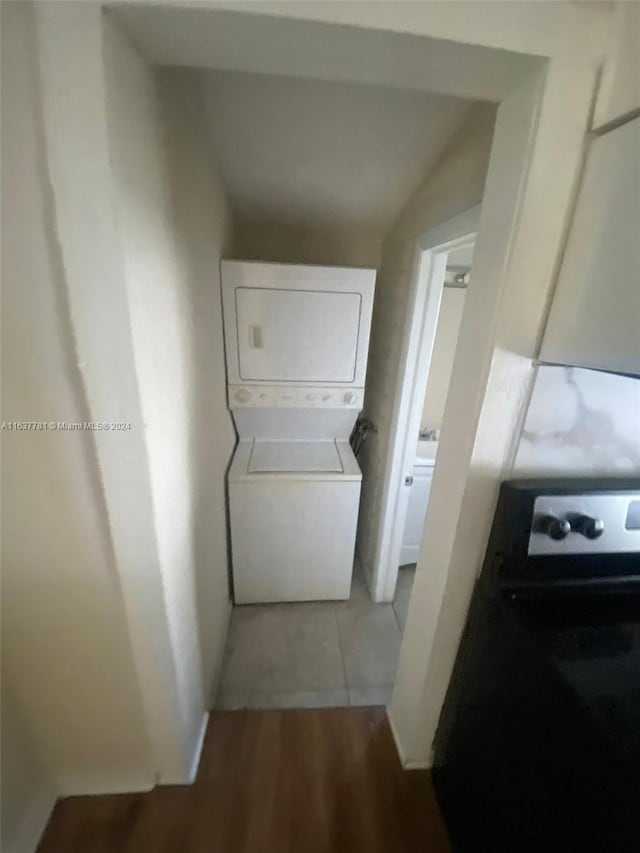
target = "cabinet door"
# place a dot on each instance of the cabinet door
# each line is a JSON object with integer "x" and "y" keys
{"x": 416, "y": 514}
{"x": 595, "y": 313}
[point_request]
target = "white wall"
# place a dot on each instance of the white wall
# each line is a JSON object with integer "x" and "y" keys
{"x": 580, "y": 422}
{"x": 159, "y": 328}
{"x": 27, "y": 791}
{"x": 455, "y": 184}
{"x": 318, "y": 170}
{"x": 65, "y": 639}
{"x": 527, "y": 27}
{"x": 174, "y": 307}
{"x": 444, "y": 349}
{"x": 202, "y": 230}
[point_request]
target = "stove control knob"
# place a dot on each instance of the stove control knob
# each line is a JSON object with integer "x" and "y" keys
{"x": 553, "y": 527}
{"x": 588, "y": 526}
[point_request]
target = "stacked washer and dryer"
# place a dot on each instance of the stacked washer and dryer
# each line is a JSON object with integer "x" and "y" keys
{"x": 296, "y": 342}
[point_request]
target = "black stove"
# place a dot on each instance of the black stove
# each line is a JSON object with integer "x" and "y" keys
{"x": 538, "y": 746}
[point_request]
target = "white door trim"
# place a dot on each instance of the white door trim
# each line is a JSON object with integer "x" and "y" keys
{"x": 429, "y": 265}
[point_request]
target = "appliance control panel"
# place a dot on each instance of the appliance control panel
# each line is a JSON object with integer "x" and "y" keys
{"x": 294, "y": 397}
{"x": 585, "y": 524}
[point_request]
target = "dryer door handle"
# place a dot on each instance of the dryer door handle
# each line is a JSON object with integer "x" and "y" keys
{"x": 256, "y": 338}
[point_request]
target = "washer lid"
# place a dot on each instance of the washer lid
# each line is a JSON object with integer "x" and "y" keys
{"x": 300, "y": 456}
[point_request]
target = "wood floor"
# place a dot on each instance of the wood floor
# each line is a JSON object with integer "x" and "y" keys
{"x": 325, "y": 781}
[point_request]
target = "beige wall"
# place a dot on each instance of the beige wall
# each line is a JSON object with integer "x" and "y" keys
{"x": 65, "y": 640}
{"x": 203, "y": 232}
{"x": 444, "y": 348}
{"x": 455, "y": 184}
{"x": 160, "y": 325}
{"x": 301, "y": 244}
{"x": 27, "y": 792}
{"x": 115, "y": 595}
{"x": 173, "y": 229}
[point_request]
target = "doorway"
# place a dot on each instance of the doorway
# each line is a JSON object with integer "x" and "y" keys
{"x": 423, "y": 446}
{"x": 428, "y": 278}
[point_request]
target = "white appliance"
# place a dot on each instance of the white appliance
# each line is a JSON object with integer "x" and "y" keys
{"x": 296, "y": 341}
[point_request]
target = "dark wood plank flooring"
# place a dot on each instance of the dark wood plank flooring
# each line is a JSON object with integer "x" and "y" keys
{"x": 326, "y": 781}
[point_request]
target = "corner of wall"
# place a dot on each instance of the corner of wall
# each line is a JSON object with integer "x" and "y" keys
{"x": 203, "y": 227}
{"x": 33, "y": 822}
{"x": 28, "y": 792}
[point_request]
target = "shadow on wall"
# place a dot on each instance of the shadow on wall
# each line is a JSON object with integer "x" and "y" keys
{"x": 282, "y": 242}
{"x": 203, "y": 230}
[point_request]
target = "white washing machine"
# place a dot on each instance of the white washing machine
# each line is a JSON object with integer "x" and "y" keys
{"x": 296, "y": 340}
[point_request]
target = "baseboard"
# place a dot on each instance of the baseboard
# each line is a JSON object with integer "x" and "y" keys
{"x": 33, "y": 823}
{"x": 195, "y": 763}
{"x": 407, "y": 763}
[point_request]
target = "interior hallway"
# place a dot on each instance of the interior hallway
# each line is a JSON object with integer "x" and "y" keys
{"x": 324, "y": 781}
{"x": 317, "y": 654}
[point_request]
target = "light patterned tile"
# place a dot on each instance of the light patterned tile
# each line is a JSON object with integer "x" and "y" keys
{"x": 282, "y": 648}
{"x": 338, "y": 698}
{"x": 232, "y": 701}
{"x": 370, "y": 642}
{"x": 359, "y": 591}
{"x": 370, "y": 696}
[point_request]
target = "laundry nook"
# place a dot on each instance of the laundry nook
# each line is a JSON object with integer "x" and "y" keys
{"x": 321, "y": 426}
{"x": 296, "y": 341}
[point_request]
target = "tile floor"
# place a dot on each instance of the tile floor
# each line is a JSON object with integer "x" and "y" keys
{"x": 315, "y": 655}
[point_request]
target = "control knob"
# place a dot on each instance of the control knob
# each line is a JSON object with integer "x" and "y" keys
{"x": 554, "y": 527}
{"x": 587, "y": 525}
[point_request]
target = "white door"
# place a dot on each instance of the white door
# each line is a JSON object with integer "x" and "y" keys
{"x": 297, "y": 335}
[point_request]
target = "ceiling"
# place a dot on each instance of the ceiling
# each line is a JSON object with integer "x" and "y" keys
{"x": 322, "y": 154}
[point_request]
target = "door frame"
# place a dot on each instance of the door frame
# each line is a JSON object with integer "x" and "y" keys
{"x": 427, "y": 281}
{"x": 526, "y": 210}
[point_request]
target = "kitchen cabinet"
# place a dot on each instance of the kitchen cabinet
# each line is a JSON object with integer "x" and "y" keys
{"x": 594, "y": 319}
{"x": 416, "y": 513}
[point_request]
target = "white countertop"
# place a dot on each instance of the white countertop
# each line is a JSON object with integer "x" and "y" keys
{"x": 426, "y": 452}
